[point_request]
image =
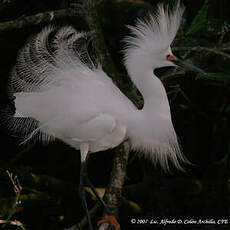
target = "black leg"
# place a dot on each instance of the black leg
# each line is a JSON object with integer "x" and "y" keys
{"x": 84, "y": 180}
{"x": 88, "y": 182}
{"x": 83, "y": 174}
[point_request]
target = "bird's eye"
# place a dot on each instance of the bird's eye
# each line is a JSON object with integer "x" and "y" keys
{"x": 168, "y": 56}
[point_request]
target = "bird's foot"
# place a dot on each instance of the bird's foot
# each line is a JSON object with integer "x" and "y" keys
{"x": 110, "y": 219}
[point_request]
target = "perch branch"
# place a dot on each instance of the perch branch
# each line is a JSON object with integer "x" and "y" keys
{"x": 113, "y": 194}
{"x": 97, "y": 208}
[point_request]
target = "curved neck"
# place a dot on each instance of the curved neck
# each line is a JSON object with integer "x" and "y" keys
{"x": 140, "y": 70}
{"x": 152, "y": 90}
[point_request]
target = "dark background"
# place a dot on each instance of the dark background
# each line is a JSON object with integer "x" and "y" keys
{"x": 200, "y": 108}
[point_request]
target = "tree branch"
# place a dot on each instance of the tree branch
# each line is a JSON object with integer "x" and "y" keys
{"x": 36, "y": 19}
{"x": 14, "y": 223}
{"x": 113, "y": 194}
{"x": 99, "y": 45}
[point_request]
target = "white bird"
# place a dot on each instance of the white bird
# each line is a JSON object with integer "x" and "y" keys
{"x": 69, "y": 98}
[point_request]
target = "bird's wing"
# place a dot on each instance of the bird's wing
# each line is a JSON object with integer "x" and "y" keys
{"x": 54, "y": 80}
{"x": 90, "y": 130}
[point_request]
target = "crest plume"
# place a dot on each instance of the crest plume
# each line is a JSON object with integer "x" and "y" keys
{"x": 154, "y": 32}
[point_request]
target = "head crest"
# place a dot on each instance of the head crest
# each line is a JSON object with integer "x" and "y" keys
{"x": 156, "y": 31}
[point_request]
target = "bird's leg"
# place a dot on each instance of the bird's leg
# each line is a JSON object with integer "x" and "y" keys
{"x": 84, "y": 148}
{"x": 88, "y": 182}
{"x": 97, "y": 195}
{"x": 84, "y": 180}
{"x": 110, "y": 218}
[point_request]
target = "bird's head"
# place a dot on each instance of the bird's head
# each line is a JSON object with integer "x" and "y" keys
{"x": 164, "y": 57}
{"x": 171, "y": 60}
{"x": 149, "y": 45}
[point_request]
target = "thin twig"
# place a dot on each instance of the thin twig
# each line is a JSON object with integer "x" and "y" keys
{"x": 221, "y": 38}
{"x": 202, "y": 48}
{"x": 17, "y": 190}
{"x": 225, "y": 46}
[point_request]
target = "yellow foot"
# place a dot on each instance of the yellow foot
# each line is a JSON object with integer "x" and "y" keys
{"x": 112, "y": 220}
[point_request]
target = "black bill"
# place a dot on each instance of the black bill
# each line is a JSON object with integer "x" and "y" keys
{"x": 188, "y": 66}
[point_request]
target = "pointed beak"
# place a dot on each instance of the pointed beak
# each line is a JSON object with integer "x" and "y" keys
{"x": 184, "y": 64}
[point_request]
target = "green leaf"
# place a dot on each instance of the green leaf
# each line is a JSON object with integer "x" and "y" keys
{"x": 199, "y": 21}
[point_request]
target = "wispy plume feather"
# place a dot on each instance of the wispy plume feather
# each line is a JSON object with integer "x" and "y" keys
{"x": 47, "y": 60}
{"x": 154, "y": 32}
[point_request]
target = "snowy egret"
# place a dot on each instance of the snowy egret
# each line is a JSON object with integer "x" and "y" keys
{"x": 60, "y": 93}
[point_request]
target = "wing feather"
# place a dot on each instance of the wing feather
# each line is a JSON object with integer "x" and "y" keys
{"x": 55, "y": 82}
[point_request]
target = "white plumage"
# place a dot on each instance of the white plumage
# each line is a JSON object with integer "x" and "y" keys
{"x": 56, "y": 83}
